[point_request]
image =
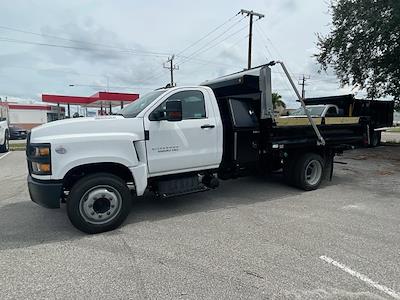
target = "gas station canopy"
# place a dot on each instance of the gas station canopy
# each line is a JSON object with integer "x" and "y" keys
{"x": 100, "y": 99}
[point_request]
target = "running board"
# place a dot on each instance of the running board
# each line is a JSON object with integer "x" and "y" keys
{"x": 180, "y": 186}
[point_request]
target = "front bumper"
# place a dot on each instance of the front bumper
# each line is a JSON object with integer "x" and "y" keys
{"x": 45, "y": 193}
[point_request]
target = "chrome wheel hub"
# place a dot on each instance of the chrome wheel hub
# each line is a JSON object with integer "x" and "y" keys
{"x": 313, "y": 172}
{"x": 100, "y": 204}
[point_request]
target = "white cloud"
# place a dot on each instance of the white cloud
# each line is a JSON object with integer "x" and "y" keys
{"x": 287, "y": 32}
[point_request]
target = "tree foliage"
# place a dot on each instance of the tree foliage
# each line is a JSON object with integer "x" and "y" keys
{"x": 277, "y": 101}
{"x": 363, "y": 46}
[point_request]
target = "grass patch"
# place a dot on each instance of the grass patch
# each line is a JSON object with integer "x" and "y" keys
{"x": 394, "y": 129}
{"x": 18, "y": 147}
{"x": 391, "y": 142}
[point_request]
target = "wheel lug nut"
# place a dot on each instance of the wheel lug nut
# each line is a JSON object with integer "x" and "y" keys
{"x": 100, "y": 216}
{"x": 108, "y": 213}
{"x": 90, "y": 205}
{"x": 92, "y": 213}
{"x": 112, "y": 206}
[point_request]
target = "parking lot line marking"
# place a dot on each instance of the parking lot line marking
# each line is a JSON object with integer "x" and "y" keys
{"x": 4, "y": 155}
{"x": 362, "y": 277}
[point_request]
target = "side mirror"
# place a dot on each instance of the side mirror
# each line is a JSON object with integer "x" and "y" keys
{"x": 174, "y": 110}
{"x": 157, "y": 115}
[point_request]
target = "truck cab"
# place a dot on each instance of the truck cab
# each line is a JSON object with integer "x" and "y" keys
{"x": 165, "y": 133}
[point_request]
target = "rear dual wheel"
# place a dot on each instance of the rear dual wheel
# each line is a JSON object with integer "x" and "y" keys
{"x": 98, "y": 202}
{"x": 305, "y": 171}
{"x": 375, "y": 138}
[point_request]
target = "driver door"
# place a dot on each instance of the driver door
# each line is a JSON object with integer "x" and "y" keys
{"x": 186, "y": 145}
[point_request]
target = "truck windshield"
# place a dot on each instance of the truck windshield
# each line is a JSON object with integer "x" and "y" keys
{"x": 132, "y": 110}
{"x": 313, "y": 110}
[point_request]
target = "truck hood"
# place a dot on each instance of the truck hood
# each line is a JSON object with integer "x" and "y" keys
{"x": 85, "y": 127}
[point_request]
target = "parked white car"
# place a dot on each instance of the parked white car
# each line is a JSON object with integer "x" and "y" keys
{"x": 4, "y": 135}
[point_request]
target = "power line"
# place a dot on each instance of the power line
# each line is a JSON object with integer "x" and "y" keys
{"x": 200, "y": 60}
{"x": 80, "y": 41}
{"x": 155, "y": 75}
{"x": 107, "y": 86}
{"x": 207, "y": 35}
{"x": 275, "y": 48}
{"x": 186, "y": 58}
{"x": 231, "y": 46}
{"x": 6, "y": 39}
{"x": 213, "y": 46}
{"x": 52, "y": 70}
{"x": 265, "y": 45}
{"x": 214, "y": 39}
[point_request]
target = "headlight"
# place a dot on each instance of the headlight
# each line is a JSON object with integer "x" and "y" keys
{"x": 39, "y": 159}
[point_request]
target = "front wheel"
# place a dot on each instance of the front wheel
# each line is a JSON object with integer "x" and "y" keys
{"x": 98, "y": 202}
{"x": 6, "y": 145}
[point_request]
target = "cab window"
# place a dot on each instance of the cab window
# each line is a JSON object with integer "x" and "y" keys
{"x": 193, "y": 104}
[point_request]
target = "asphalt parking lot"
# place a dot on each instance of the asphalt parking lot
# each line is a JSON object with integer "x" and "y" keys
{"x": 253, "y": 238}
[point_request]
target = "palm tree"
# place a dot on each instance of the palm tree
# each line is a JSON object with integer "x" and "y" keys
{"x": 277, "y": 101}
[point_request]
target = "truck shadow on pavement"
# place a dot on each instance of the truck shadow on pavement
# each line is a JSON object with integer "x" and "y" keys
{"x": 24, "y": 224}
{"x": 230, "y": 194}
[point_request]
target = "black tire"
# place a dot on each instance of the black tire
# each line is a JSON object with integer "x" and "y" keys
{"x": 102, "y": 190}
{"x": 308, "y": 162}
{"x": 6, "y": 145}
{"x": 375, "y": 139}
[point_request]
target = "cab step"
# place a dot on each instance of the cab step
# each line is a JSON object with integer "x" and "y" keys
{"x": 180, "y": 186}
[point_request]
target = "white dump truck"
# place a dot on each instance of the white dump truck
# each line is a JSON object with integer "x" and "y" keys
{"x": 175, "y": 141}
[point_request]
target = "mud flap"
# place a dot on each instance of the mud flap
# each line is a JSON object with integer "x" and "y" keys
{"x": 328, "y": 168}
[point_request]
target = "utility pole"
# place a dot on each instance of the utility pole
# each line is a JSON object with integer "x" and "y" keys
{"x": 169, "y": 64}
{"x": 250, "y": 14}
{"x": 303, "y": 85}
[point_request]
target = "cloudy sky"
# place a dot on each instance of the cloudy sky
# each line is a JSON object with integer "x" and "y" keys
{"x": 47, "y": 45}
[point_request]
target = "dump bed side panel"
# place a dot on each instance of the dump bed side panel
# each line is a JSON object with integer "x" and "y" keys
{"x": 304, "y": 136}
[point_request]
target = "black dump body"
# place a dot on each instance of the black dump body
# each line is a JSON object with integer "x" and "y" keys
{"x": 250, "y": 141}
{"x": 377, "y": 113}
{"x": 337, "y": 136}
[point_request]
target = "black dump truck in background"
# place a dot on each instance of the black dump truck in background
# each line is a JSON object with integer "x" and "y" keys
{"x": 377, "y": 114}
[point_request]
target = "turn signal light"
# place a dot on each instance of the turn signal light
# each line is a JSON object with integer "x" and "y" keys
{"x": 40, "y": 168}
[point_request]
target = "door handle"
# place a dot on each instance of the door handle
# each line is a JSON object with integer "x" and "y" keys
{"x": 207, "y": 126}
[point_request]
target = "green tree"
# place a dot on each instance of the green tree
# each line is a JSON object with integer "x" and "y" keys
{"x": 363, "y": 46}
{"x": 277, "y": 101}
